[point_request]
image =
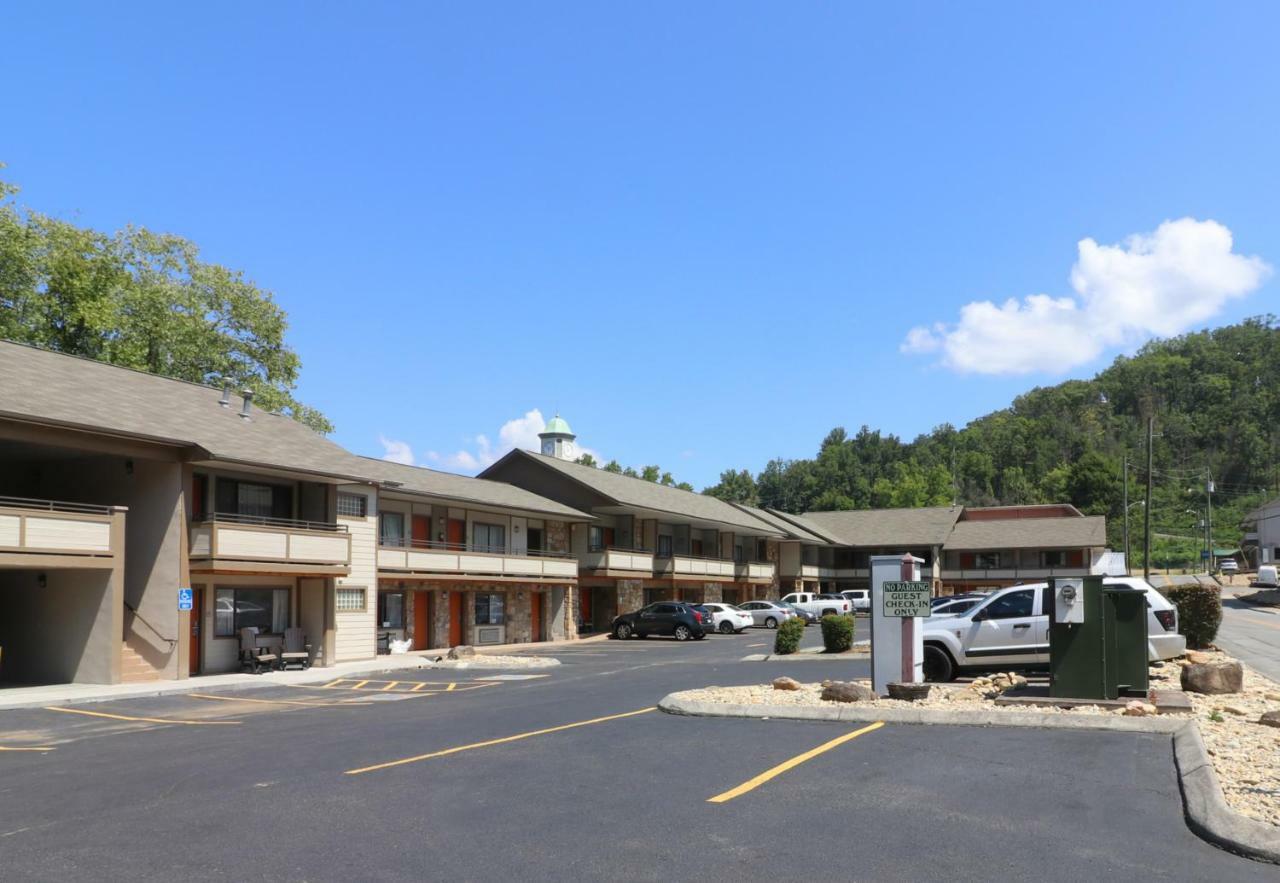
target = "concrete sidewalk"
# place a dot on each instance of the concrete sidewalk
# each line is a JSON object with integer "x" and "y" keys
{"x": 74, "y": 694}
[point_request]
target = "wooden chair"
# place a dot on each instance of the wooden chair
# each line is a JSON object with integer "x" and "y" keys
{"x": 296, "y": 651}
{"x": 252, "y": 657}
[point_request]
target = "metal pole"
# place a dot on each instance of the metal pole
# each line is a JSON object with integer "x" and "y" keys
{"x": 1127, "y": 569}
{"x": 1146, "y": 518}
{"x": 1208, "y": 517}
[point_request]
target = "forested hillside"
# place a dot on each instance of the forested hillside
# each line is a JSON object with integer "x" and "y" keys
{"x": 1215, "y": 396}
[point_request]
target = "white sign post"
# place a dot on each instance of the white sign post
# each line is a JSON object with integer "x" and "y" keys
{"x": 898, "y": 599}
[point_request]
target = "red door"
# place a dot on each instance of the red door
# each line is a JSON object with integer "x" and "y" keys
{"x": 535, "y": 614}
{"x": 607, "y": 537}
{"x": 421, "y": 531}
{"x": 455, "y": 619}
{"x": 197, "y": 612}
{"x": 457, "y": 534}
{"x": 584, "y": 606}
{"x": 421, "y": 620}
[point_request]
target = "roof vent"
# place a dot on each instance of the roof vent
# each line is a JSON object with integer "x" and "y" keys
{"x": 248, "y": 402}
{"x": 225, "y": 401}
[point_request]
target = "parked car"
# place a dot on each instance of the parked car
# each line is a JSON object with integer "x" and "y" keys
{"x": 1266, "y": 578}
{"x": 860, "y": 599}
{"x": 821, "y": 605}
{"x": 1010, "y": 629}
{"x": 661, "y": 618}
{"x": 1228, "y": 565}
{"x": 767, "y": 614}
{"x": 729, "y": 619}
{"x": 705, "y": 619}
{"x": 808, "y": 616}
{"x": 955, "y": 605}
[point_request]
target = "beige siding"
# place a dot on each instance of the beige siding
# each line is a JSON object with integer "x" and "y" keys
{"x": 310, "y": 547}
{"x": 9, "y": 530}
{"x": 356, "y": 633}
{"x": 67, "y": 533}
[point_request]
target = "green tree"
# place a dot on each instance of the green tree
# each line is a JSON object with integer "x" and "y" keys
{"x": 651, "y": 473}
{"x": 143, "y": 300}
{"x": 735, "y": 487}
{"x": 613, "y": 466}
{"x": 586, "y": 460}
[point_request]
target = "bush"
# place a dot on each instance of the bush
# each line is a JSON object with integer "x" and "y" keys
{"x": 837, "y": 633}
{"x": 788, "y": 636}
{"x": 1199, "y": 612}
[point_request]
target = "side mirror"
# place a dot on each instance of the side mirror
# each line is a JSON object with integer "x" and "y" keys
{"x": 979, "y": 615}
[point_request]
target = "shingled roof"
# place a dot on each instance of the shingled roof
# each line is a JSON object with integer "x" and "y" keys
{"x": 624, "y": 490}
{"x": 1071, "y": 532}
{"x": 792, "y": 526}
{"x": 68, "y": 391}
{"x": 446, "y": 485}
{"x": 877, "y": 528}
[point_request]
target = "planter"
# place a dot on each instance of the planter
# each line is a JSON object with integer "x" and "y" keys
{"x": 908, "y": 692}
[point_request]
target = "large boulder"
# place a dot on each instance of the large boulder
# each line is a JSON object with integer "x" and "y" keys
{"x": 1198, "y": 657}
{"x": 785, "y": 683}
{"x": 1270, "y": 719}
{"x": 1213, "y": 677}
{"x": 462, "y": 652}
{"x": 845, "y": 691}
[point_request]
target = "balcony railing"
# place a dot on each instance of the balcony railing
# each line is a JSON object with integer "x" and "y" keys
{"x": 274, "y": 540}
{"x": 688, "y": 566}
{"x": 754, "y": 571}
{"x": 50, "y": 527}
{"x": 616, "y": 559}
{"x": 404, "y": 555}
{"x": 1014, "y": 573}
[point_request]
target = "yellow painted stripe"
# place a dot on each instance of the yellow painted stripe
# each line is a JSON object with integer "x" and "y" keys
{"x": 358, "y": 685}
{"x": 144, "y": 720}
{"x": 491, "y": 742}
{"x": 752, "y": 784}
{"x": 27, "y": 748}
{"x": 389, "y": 685}
{"x": 418, "y": 686}
{"x": 332, "y": 683}
{"x": 451, "y": 688}
{"x": 275, "y": 701}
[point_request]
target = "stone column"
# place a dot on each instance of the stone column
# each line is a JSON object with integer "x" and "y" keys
{"x": 712, "y": 593}
{"x": 630, "y": 595}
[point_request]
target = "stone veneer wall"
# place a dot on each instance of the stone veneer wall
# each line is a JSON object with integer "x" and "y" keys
{"x": 556, "y": 535}
{"x": 518, "y": 609}
{"x": 630, "y": 595}
{"x": 712, "y": 593}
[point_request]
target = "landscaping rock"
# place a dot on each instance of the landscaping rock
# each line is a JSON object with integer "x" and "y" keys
{"x": 908, "y": 692}
{"x": 462, "y": 652}
{"x": 1270, "y": 719}
{"x": 1199, "y": 657}
{"x": 844, "y": 691}
{"x": 1138, "y": 708}
{"x": 1213, "y": 677}
{"x": 785, "y": 683}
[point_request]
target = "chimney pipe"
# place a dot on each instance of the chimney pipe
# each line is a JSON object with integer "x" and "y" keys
{"x": 248, "y": 402}
{"x": 225, "y": 401}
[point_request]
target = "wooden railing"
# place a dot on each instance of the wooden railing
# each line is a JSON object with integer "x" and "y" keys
{"x": 248, "y": 538}
{"x": 50, "y": 527}
{"x": 407, "y": 556}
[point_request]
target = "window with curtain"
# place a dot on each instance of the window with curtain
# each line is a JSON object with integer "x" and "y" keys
{"x": 391, "y": 610}
{"x": 488, "y": 537}
{"x": 392, "y": 528}
{"x": 489, "y": 609}
{"x": 664, "y": 547}
{"x": 264, "y": 609}
{"x": 253, "y": 499}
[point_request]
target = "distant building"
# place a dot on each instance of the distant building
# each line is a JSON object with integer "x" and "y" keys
{"x": 1261, "y": 540}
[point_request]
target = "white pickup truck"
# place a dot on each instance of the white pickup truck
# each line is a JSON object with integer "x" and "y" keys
{"x": 819, "y": 605}
{"x": 1010, "y": 629}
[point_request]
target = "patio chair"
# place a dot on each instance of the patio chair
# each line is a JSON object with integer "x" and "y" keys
{"x": 296, "y": 652}
{"x": 252, "y": 657}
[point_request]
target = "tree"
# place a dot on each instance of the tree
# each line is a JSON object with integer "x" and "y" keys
{"x": 735, "y": 487}
{"x": 685, "y": 486}
{"x": 630, "y": 472}
{"x": 143, "y": 300}
{"x": 650, "y": 473}
{"x": 667, "y": 479}
{"x": 613, "y": 466}
{"x": 586, "y": 460}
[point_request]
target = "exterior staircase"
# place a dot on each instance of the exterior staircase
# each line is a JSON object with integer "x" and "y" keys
{"x": 134, "y": 668}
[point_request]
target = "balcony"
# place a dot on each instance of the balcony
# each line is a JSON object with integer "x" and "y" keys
{"x": 633, "y": 563}
{"x": 249, "y": 544}
{"x": 691, "y": 568}
{"x": 422, "y": 560}
{"x": 47, "y": 533}
{"x": 816, "y": 572}
{"x": 753, "y": 571}
{"x": 1016, "y": 574}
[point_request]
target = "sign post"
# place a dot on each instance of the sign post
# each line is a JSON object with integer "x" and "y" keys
{"x": 898, "y": 599}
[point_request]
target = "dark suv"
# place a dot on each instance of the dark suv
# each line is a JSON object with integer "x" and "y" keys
{"x": 661, "y": 618}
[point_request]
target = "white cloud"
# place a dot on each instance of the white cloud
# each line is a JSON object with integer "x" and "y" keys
{"x": 396, "y": 451}
{"x": 1152, "y": 284}
{"x": 480, "y": 452}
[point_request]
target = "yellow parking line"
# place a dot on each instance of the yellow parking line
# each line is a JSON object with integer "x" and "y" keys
{"x": 27, "y": 748}
{"x": 752, "y": 784}
{"x": 358, "y": 685}
{"x": 504, "y": 739}
{"x": 452, "y": 686}
{"x": 389, "y": 685}
{"x": 273, "y": 701}
{"x": 418, "y": 686}
{"x": 144, "y": 720}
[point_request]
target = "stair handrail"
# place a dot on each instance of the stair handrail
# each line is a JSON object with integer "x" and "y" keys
{"x": 173, "y": 642}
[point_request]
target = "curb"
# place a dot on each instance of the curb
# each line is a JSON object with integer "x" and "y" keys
{"x": 1203, "y": 803}
{"x": 810, "y": 657}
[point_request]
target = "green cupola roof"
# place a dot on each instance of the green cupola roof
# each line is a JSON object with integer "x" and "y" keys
{"x": 557, "y": 425}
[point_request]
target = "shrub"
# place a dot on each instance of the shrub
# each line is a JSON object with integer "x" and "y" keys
{"x": 787, "y": 639}
{"x": 1199, "y": 612}
{"x": 837, "y": 633}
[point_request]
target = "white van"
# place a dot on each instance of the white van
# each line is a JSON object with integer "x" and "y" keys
{"x": 1267, "y": 577}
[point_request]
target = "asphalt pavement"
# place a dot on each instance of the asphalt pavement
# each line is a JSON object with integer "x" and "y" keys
{"x": 1251, "y": 634}
{"x": 571, "y": 774}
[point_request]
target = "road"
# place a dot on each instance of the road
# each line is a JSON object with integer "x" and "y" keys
{"x": 1252, "y": 635}
{"x": 574, "y": 775}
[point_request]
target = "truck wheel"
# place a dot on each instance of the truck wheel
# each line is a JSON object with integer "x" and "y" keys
{"x": 937, "y": 664}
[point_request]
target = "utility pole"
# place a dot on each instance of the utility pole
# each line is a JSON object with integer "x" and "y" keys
{"x": 1126, "y": 516}
{"x": 1208, "y": 517}
{"x": 1146, "y": 515}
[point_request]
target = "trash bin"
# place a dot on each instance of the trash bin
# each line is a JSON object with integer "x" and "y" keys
{"x": 1101, "y": 653}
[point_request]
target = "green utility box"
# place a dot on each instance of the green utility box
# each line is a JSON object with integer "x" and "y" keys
{"x": 1097, "y": 639}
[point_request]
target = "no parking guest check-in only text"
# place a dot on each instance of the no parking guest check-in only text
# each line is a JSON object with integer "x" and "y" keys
{"x": 905, "y": 598}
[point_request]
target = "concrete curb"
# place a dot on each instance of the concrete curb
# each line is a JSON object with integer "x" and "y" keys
{"x": 1205, "y": 807}
{"x": 810, "y": 657}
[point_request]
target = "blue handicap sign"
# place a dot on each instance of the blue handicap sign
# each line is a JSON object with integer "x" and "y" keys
{"x": 184, "y": 599}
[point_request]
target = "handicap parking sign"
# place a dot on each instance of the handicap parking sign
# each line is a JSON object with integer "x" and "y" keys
{"x": 184, "y": 599}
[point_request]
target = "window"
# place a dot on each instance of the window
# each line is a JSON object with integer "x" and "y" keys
{"x": 353, "y": 505}
{"x": 987, "y": 560}
{"x": 595, "y": 538}
{"x": 738, "y": 555}
{"x": 391, "y": 610}
{"x": 488, "y": 537}
{"x": 664, "y": 547}
{"x": 348, "y": 600}
{"x": 1011, "y": 606}
{"x": 391, "y": 530}
{"x": 489, "y": 609}
{"x": 264, "y": 609}
{"x": 533, "y": 540}
{"x": 762, "y": 550}
{"x": 253, "y": 499}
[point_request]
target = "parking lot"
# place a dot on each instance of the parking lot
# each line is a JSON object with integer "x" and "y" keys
{"x": 570, "y": 771}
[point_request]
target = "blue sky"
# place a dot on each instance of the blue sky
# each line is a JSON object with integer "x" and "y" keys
{"x": 702, "y": 232}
